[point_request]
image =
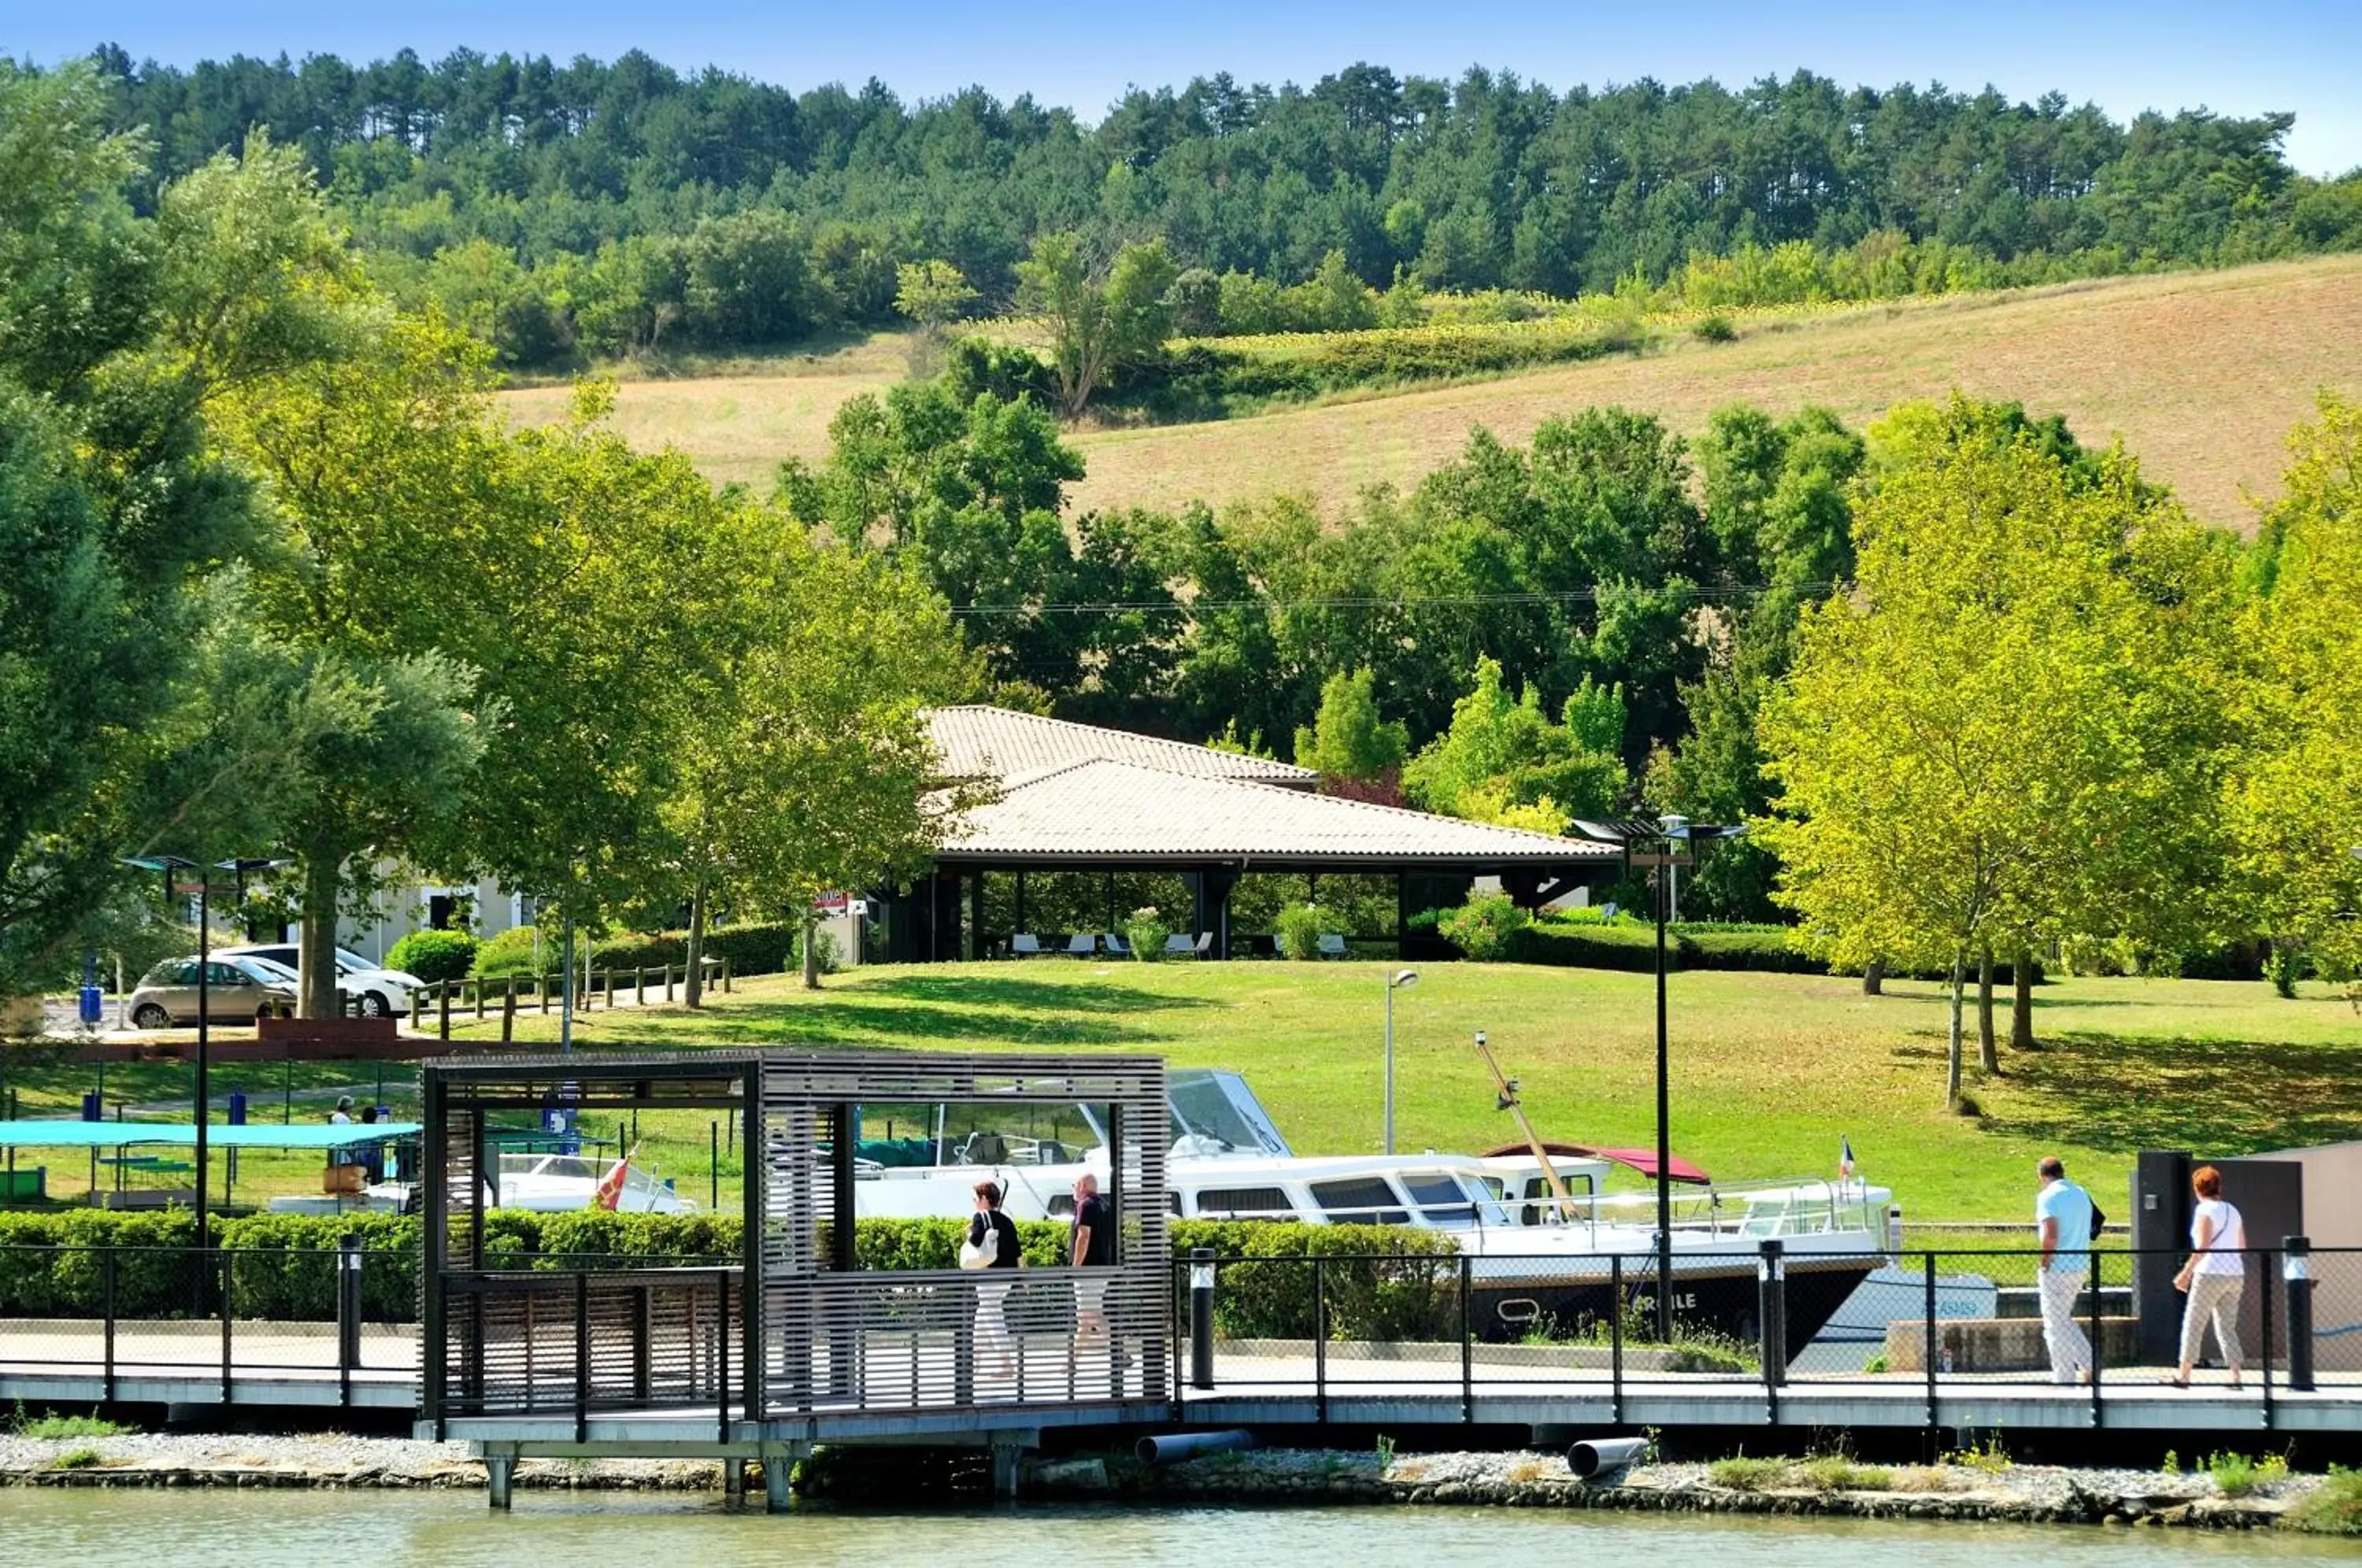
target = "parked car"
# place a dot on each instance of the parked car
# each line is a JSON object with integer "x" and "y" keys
{"x": 381, "y": 993}
{"x": 287, "y": 976}
{"x": 236, "y": 991}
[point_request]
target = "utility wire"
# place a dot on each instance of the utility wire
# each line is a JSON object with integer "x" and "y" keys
{"x": 1200, "y": 606}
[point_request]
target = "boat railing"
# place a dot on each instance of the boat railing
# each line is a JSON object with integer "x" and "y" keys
{"x": 1762, "y": 1210}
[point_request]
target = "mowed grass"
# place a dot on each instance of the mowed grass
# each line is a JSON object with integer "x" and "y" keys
{"x": 2200, "y": 373}
{"x": 1768, "y": 1071}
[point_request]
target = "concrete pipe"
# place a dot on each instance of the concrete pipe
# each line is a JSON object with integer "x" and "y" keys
{"x": 1174, "y": 1447}
{"x": 1595, "y": 1458}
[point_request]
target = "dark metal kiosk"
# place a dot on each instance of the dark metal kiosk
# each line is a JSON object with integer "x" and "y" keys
{"x": 777, "y": 1335}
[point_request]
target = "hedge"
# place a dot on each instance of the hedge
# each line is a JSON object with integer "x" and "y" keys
{"x": 751, "y": 949}
{"x": 51, "y": 1265}
{"x": 1595, "y": 947}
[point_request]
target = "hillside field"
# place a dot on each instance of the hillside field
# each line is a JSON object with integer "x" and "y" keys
{"x": 2201, "y": 374}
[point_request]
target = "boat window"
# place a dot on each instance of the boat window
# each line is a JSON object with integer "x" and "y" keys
{"x": 1361, "y": 1200}
{"x": 1440, "y": 1199}
{"x": 1218, "y": 1110}
{"x": 1235, "y": 1202}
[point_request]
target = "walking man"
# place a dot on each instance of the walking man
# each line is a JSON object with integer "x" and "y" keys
{"x": 1090, "y": 1246}
{"x": 2062, "y": 1217}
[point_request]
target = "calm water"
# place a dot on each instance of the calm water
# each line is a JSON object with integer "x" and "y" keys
{"x": 88, "y": 1527}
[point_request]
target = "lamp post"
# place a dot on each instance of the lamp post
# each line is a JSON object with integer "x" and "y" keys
{"x": 168, "y": 865}
{"x": 1661, "y": 846}
{"x": 1396, "y": 981}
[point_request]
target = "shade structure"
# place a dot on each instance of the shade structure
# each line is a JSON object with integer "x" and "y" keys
{"x": 65, "y": 1134}
{"x": 1641, "y": 1160}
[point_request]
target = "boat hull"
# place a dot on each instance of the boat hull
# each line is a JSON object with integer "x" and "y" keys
{"x": 1719, "y": 1297}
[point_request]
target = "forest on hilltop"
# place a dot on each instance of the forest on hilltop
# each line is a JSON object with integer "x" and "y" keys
{"x": 581, "y": 210}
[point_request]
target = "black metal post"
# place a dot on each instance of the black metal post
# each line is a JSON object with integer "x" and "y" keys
{"x": 1772, "y": 1320}
{"x": 1321, "y": 1339}
{"x": 349, "y": 1313}
{"x": 204, "y": 1102}
{"x": 1467, "y": 1350}
{"x": 228, "y": 1280}
{"x": 2265, "y": 1367}
{"x": 2099, "y": 1345}
{"x": 1664, "y": 1127}
{"x": 721, "y": 1337}
{"x": 1927, "y": 1351}
{"x": 712, "y": 1167}
{"x": 2299, "y": 1250}
{"x": 108, "y": 1268}
{"x": 1615, "y": 1335}
{"x": 1201, "y": 1316}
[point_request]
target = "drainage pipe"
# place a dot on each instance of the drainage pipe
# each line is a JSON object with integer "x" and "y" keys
{"x": 1171, "y": 1448}
{"x": 1597, "y": 1458}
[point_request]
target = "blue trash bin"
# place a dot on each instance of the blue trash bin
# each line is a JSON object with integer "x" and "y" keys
{"x": 237, "y": 1108}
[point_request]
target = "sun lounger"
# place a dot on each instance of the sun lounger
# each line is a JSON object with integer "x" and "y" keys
{"x": 1179, "y": 945}
{"x": 1331, "y": 947}
{"x": 1084, "y": 945}
{"x": 1025, "y": 945}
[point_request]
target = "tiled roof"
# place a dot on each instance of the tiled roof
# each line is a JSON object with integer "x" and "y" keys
{"x": 1106, "y": 810}
{"x": 976, "y": 741}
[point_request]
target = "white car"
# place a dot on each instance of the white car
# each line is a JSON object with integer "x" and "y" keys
{"x": 381, "y": 993}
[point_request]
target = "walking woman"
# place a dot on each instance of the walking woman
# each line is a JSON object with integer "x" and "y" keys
{"x": 993, "y": 1245}
{"x": 2216, "y": 1276}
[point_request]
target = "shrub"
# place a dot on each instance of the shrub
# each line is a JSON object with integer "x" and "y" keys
{"x": 1484, "y": 926}
{"x": 2236, "y": 1475}
{"x": 824, "y": 944}
{"x": 1714, "y": 329}
{"x": 2334, "y": 1508}
{"x": 1300, "y": 928}
{"x": 1744, "y": 1474}
{"x": 1146, "y": 931}
{"x": 1600, "y": 944}
{"x": 433, "y": 955}
{"x": 2283, "y": 966}
{"x": 516, "y": 952}
{"x": 751, "y": 949}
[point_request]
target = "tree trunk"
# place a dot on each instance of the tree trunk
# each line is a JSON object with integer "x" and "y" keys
{"x": 1988, "y": 1055}
{"x": 694, "y": 990}
{"x": 2021, "y": 1002}
{"x": 1952, "y": 1053}
{"x": 812, "y": 948}
{"x": 316, "y": 984}
{"x": 1873, "y": 978}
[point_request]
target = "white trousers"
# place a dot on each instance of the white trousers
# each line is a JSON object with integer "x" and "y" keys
{"x": 992, "y": 1324}
{"x": 2071, "y": 1348}
{"x": 2214, "y": 1297}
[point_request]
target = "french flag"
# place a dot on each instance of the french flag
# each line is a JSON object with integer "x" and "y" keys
{"x": 1845, "y": 1157}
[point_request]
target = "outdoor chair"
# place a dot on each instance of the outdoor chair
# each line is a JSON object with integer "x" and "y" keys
{"x": 1332, "y": 947}
{"x": 1608, "y": 909}
{"x": 1118, "y": 946}
{"x": 1205, "y": 945}
{"x": 1179, "y": 945}
{"x": 1084, "y": 945}
{"x": 1025, "y": 945}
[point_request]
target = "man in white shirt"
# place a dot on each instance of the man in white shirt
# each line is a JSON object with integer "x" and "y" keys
{"x": 2062, "y": 1219}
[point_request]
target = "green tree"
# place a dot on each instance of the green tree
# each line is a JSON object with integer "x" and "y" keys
{"x": 1100, "y": 318}
{"x": 2296, "y": 797}
{"x": 744, "y": 279}
{"x": 1503, "y": 760}
{"x": 1969, "y": 729}
{"x": 934, "y": 294}
{"x": 1347, "y": 739}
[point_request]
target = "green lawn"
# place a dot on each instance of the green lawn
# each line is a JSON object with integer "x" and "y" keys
{"x": 1769, "y": 1071}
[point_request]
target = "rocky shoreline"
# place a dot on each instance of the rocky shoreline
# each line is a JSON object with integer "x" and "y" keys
{"x": 2009, "y": 1493}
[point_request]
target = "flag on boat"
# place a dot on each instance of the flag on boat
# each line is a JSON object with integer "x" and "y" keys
{"x": 1845, "y": 1156}
{"x": 610, "y": 1192}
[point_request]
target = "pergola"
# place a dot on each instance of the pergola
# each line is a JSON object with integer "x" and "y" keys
{"x": 1077, "y": 798}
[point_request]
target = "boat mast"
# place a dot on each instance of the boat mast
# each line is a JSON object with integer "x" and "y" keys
{"x": 1508, "y": 1102}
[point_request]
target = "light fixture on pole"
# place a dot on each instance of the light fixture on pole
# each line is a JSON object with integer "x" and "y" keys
{"x": 1395, "y": 982}
{"x": 1661, "y": 846}
{"x": 203, "y": 1092}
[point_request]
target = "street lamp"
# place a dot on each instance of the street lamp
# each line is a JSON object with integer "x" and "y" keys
{"x": 1660, "y": 845}
{"x": 168, "y": 865}
{"x": 1398, "y": 980}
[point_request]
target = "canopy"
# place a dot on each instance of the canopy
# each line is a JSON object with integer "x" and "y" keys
{"x": 1641, "y": 1160}
{"x": 63, "y": 1134}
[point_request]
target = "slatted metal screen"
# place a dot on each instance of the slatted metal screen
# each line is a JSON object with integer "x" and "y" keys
{"x": 507, "y": 1336}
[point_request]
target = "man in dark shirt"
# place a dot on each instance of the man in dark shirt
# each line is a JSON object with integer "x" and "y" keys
{"x": 1091, "y": 1245}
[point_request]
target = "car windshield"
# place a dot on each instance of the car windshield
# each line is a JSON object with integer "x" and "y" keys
{"x": 266, "y": 968}
{"x": 349, "y": 962}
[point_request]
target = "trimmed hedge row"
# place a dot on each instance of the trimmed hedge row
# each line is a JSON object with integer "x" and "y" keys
{"x": 53, "y": 1266}
{"x": 751, "y": 949}
{"x": 1764, "y": 948}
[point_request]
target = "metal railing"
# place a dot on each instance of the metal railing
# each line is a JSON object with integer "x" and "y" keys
{"x": 504, "y": 997}
{"x": 1910, "y": 1326}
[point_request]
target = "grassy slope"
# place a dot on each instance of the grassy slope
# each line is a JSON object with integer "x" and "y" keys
{"x": 2201, "y": 373}
{"x": 1768, "y": 1070}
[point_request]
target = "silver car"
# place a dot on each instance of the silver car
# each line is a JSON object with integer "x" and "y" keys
{"x": 235, "y": 992}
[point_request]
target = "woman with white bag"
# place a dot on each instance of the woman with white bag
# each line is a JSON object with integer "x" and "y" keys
{"x": 991, "y": 1246}
{"x": 2216, "y": 1276}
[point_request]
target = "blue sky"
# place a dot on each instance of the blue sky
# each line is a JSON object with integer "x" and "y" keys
{"x": 2237, "y": 57}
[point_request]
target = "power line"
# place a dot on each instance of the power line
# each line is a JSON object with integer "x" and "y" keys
{"x": 1375, "y": 602}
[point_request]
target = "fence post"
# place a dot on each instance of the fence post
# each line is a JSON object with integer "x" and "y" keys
{"x": 2300, "y": 1313}
{"x": 725, "y": 973}
{"x": 107, "y": 1271}
{"x": 2265, "y": 1367}
{"x": 668, "y": 972}
{"x": 347, "y": 1260}
{"x": 1772, "y": 1321}
{"x": 228, "y": 1280}
{"x": 2099, "y": 1344}
{"x": 442, "y": 1001}
{"x": 477, "y": 986}
{"x": 721, "y": 1334}
{"x": 607, "y": 978}
{"x": 1927, "y": 1350}
{"x": 581, "y": 1355}
{"x": 1467, "y": 1350}
{"x": 508, "y": 1011}
{"x": 1320, "y": 1339}
{"x": 1201, "y": 1317}
{"x": 640, "y": 986}
{"x": 712, "y": 1167}
{"x": 418, "y": 1009}
{"x": 1615, "y": 1335}
{"x": 541, "y": 990}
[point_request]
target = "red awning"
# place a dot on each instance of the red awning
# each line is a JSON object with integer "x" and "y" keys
{"x": 1641, "y": 1160}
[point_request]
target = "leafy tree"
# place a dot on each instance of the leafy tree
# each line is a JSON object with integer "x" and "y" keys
{"x": 1347, "y": 739}
{"x": 1100, "y": 319}
{"x": 2296, "y": 797}
{"x": 932, "y": 293}
{"x": 1503, "y": 755}
{"x": 746, "y": 279}
{"x": 1983, "y": 734}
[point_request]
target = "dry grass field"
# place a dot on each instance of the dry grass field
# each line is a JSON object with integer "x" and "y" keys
{"x": 2200, "y": 373}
